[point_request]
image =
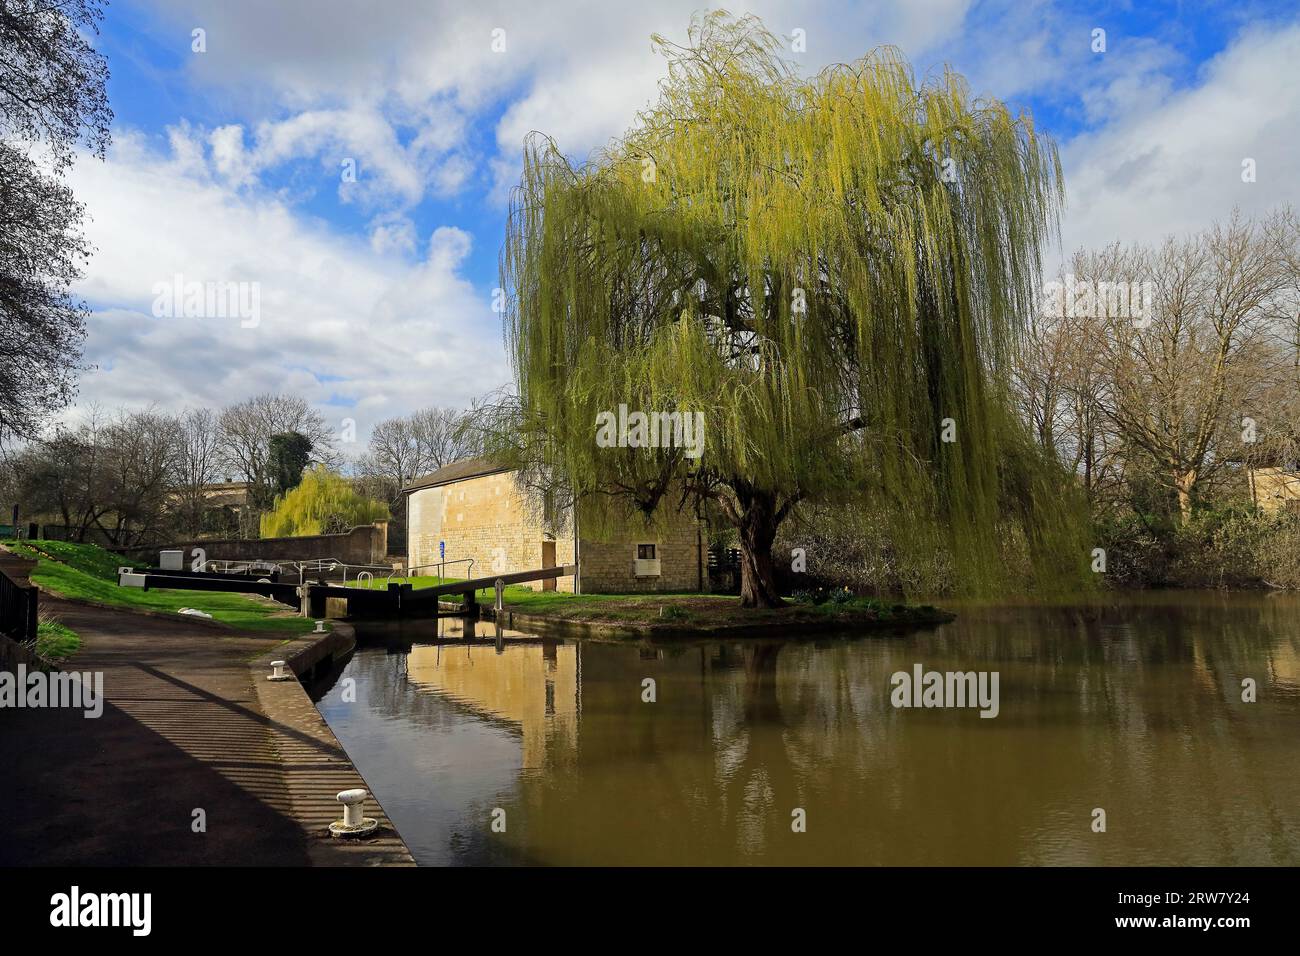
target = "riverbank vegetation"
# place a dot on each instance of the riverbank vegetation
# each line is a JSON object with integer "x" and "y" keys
{"x": 676, "y": 611}
{"x": 55, "y": 641}
{"x": 704, "y": 613}
{"x": 1178, "y": 416}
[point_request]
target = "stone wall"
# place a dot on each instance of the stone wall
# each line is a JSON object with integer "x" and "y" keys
{"x": 485, "y": 519}
{"x": 1275, "y": 489}
{"x": 609, "y": 566}
{"x": 364, "y": 544}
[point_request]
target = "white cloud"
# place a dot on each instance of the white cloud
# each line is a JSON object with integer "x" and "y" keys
{"x": 1174, "y": 166}
{"x": 392, "y": 234}
{"x": 351, "y": 328}
{"x": 354, "y": 80}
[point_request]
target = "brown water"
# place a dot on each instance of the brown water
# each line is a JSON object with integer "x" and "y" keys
{"x": 1133, "y": 707}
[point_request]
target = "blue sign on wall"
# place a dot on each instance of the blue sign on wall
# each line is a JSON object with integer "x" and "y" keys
{"x": 442, "y": 549}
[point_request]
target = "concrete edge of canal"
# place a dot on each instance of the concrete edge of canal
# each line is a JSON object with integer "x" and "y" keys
{"x": 314, "y": 764}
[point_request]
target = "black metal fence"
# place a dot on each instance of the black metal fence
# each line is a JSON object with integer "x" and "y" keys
{"x": 18, "y": 609}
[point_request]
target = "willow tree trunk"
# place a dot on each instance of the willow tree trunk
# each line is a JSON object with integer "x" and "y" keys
{"x": 758, "y": 524}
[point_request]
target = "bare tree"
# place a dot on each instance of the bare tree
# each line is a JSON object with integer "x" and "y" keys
{"x": 403, "y": 449}
{"x": 1190, "y": 381}
{"x": 111, "y": 475}
{"x": 63, "y": 476}
{"x": 246, "y": 431}
{"x": 1061, "y": 383}
{"x": 198, "y": 466}
{"x": 140, "y": 457}
{"x": 1171, "y": 367}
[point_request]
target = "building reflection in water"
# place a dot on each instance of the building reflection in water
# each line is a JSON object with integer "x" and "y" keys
{"x": 532, "y": 688}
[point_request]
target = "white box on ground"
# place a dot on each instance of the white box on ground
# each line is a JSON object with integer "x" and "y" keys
{"x": 173, "y": 560}
{"x": 127, "y": 578}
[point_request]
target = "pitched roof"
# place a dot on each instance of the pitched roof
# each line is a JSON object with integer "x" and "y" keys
{"x": 457, "y": 471}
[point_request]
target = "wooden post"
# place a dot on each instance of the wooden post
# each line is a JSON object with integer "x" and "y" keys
{"x": 315, "y": 602}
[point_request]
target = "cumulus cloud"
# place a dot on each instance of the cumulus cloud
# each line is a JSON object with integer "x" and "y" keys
{"x": 329, "y": 77}
{"x": 344, "y": 323}
{"x": 1173, "y": 166}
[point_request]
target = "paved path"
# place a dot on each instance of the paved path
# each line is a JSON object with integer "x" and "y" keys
{"x": 183, "y": 730}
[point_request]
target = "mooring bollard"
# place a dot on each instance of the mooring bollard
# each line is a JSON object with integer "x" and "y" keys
{"x": 278, "y": 672}
{"x": 354, "y": 822}
{"x": 320, "y": 628}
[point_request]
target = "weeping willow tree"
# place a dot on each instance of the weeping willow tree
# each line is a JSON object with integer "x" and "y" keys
{"x": 322, "y": 503}
{"x": 831, "y": 273}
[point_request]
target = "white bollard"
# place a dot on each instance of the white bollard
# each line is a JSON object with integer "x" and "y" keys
{"x": 354, "y": 823}
{"x": 354, "y": 804}
{"x": 320, "y": 628}
{"x": 278, "y": 672}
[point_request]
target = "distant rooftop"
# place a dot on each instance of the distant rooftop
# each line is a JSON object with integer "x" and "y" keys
{"x": 457, "y": 471}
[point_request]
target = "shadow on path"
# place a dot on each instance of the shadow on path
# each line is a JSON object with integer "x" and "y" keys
{"x": 181, "y": 731}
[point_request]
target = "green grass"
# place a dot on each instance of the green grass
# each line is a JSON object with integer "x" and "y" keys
{"x": 86, "y": 558}
{"x": 520, "y": 596}
{"x": 681, "y": 610}
{"x": 55, "y": 641}
{"x": 523, "y": 598}
{"x": 85, "y": 572}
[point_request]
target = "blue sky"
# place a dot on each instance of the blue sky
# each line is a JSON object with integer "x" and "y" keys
{"x": 375, "y": 294}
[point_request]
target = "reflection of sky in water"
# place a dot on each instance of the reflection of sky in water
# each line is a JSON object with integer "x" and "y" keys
{"x": 1134, "y": 709}
{"x": 437, "y": 760}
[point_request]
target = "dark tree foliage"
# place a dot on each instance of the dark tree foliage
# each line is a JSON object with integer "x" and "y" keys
{"x": 287, "y": 455}
{"x": 52, "y": 97}
{"x": 41, "y": 325}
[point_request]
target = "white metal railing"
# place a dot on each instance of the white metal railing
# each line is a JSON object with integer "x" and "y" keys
{"x": 440, "y": 565}
{"x": 303, "y": 568}
{"x": 362, "y": 575}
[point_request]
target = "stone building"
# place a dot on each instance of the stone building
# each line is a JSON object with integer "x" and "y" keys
{"x": 477, "y": 511}
{"x": 1275, "y": 489}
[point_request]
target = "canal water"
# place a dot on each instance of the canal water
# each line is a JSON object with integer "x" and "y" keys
{"x": 1133, "y": 707}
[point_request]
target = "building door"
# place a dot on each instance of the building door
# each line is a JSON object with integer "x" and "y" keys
{"x": 548, "y": 561}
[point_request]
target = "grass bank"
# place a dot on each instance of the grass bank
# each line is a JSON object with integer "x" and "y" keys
{"x": 699, "y": 612}
{"x": 85, "y": 572}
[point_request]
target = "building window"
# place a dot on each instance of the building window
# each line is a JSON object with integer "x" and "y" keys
{"x": 646, "y": 564}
